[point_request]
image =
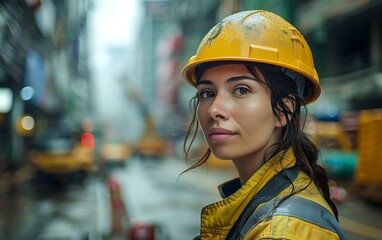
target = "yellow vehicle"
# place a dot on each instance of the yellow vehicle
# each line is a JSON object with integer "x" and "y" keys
{"x": 115, "y": 152}
{"x": 62, "y": 157}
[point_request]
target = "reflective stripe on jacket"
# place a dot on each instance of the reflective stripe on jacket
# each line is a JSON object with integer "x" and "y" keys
{"x": 218, "y": 218}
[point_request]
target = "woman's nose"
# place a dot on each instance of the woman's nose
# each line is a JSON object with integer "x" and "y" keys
{"x": 218, "y": 108}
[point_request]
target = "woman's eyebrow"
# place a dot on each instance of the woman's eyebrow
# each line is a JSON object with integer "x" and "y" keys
{"x": 242, "y": 77}
{"x": 207, "y": 82}
{"x": 231, "y": 79}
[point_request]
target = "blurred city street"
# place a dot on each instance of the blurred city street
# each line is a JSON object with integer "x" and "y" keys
{"x": 78, "y": 211}
{"x": 94, "y": 113}
{"x": 153, "y": 193}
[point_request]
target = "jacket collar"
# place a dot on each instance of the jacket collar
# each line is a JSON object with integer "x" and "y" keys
{"x": 230, "y": 187}
{"x": 217, "y": 218}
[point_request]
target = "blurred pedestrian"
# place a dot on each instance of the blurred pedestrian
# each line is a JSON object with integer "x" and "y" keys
{"x": 254, "y": 74}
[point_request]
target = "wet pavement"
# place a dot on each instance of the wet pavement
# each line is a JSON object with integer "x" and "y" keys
{"x": 152, "y": 192}
{"x": 156, "y": 193}
{"x": 76, "y": 211}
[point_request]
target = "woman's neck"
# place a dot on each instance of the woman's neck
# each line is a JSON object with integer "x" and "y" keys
{"x": 247, "y": 166}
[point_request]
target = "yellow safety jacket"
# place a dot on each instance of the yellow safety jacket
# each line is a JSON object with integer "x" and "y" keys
{"x": 302, "y": 216}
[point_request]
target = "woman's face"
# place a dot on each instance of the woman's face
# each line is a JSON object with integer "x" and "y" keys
{"x": 235, "y": 113}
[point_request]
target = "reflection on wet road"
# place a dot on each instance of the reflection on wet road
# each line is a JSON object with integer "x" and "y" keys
{"x": 152, "y": 192}
{"x": 70, "y": 212}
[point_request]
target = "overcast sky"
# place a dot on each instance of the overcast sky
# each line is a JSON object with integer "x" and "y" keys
{"x": 112, "y": 31}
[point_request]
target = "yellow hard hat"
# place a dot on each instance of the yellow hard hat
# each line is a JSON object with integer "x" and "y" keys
{"x": 257, "y": 36}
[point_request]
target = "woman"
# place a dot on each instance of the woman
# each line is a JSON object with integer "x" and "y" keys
{"x": 254, "y": 72}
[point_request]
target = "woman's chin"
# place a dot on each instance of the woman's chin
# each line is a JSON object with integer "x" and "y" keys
{"x": 221, "y": 156}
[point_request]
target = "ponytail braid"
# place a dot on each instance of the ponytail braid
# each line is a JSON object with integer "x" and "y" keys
{"x": 306, "y": 152}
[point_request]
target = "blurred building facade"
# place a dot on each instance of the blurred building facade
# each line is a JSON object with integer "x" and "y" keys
{"x": 345, "y": 37}
{"x": 43, "y": 72}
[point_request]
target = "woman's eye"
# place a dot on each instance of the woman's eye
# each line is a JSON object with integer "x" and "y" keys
{"x": 206, "y": 94}
{"x": 241, "y": 91}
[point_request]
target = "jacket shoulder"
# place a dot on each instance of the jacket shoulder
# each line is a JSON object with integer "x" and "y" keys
{"x": 291, "y": 217}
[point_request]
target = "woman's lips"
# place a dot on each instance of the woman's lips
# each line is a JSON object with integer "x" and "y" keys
{"x": 220, "y": 134}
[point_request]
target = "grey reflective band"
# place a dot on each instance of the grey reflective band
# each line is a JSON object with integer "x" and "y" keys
{"x": 271, "y": 189}
{"x": 297, "y": 207}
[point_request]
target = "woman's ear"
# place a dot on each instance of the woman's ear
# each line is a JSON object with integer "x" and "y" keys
{"x": 289, "y": 104}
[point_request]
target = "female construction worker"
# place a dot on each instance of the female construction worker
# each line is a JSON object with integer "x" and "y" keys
{"x": 254, "y": 74}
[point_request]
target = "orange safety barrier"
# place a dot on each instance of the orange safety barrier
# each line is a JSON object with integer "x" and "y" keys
{"x": 117, "y": 206}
